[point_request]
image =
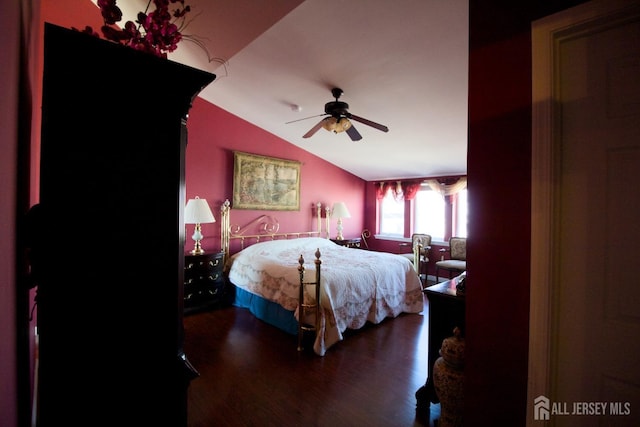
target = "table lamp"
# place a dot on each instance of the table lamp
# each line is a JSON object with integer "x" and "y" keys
{"x": 198, "y": 212}
{"x": 340, "y": 211}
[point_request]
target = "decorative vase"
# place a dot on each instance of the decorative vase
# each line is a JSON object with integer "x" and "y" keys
{"x": 448, "y": 379}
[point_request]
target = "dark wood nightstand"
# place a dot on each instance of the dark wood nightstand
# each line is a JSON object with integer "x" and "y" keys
{"x": 349, "y": 243}
{"x": 204, "y": 282}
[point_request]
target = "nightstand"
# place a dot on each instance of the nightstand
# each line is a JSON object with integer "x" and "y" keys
{"x": 204, "y": 282}
{"x": 349, "y": 243}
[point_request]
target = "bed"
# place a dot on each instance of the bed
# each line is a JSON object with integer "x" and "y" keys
{"x": 356, "y": 286}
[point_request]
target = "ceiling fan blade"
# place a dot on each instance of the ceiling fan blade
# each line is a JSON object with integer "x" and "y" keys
{"x": 310, "y": 117}
{"x": 378, "y": 126}
{"x": 353, "y": 133}
{"x": 314, "y": 129}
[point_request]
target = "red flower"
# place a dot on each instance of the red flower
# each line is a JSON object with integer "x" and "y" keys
{"x": 110, "y": 12}
{"x": 155, "y": 32}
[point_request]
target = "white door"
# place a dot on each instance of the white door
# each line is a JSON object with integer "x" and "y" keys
{"x": 585, "y": 282}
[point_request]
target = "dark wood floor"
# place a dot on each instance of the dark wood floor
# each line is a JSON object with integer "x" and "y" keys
{"x": 252, "y": 375}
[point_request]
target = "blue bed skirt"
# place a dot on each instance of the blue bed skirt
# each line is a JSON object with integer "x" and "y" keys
{"x": 267, "y": 311}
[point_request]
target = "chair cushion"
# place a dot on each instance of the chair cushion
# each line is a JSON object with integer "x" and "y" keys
{"x": 452, "y": 264}
{"x": 408, "y": 256}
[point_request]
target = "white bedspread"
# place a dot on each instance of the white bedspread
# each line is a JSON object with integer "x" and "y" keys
{"x": 357, "y": 285}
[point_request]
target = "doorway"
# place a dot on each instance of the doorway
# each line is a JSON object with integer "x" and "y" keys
{"x": 584, "y": 317}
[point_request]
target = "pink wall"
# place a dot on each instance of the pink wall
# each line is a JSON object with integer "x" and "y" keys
{"x": 214, "y": 134}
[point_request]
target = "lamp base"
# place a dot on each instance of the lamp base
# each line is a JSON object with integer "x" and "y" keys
{"x": 197, "y": 250}
{"x": 197, "y": 237}
{"x": 339, "y": 230}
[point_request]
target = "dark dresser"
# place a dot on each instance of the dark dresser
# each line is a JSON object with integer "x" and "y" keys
{"x": 446, "y": 311}
{"x": 204, "y": 282}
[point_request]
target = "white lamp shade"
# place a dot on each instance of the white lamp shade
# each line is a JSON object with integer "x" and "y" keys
{"x": 340, "y": 210}
{"x": 197, "y": 211}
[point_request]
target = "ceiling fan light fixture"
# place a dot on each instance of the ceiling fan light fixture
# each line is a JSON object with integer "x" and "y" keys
{"x": 342, "y": 125}
{"x": 330, "y": 124}
{"x": 336, "y": 125}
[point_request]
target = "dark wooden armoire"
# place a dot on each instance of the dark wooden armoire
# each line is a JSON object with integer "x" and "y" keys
{"x": 109, "y": 252}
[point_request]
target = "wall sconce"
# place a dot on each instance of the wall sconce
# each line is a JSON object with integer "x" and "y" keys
{"x": 198, "y": 212}
{"x": 340, "y": 211}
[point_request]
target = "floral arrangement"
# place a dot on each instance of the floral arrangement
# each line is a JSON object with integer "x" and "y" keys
{"x": 156, "y": 32}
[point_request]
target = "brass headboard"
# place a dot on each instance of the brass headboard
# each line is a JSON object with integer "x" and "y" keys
{"x": 267, "y": 226}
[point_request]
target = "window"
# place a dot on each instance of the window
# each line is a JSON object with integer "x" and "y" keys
{"x": 461, "y": 214}
{"x": 428, "y": 210}
{"x": 429, "y": 214}
{"x": 391, "y": 216}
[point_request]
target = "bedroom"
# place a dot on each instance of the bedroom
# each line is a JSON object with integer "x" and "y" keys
{"x": 493, "y": 210}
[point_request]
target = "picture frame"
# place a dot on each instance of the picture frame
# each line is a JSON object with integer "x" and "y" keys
{"x": 265, "y": 183}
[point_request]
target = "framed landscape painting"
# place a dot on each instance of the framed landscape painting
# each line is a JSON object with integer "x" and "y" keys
{"x": 265, "y": 183}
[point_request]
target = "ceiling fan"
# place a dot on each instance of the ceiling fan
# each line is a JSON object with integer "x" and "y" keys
{"x": 338, "y": 119}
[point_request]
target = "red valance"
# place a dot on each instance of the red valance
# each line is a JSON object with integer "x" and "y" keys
{"x": 406, "y": 190}
{"x": 410, "y": 189}
{"x": 382, "y": 189}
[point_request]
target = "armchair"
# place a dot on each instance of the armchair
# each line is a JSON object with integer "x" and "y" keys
{"x": 457, "y": 261}
{"x": 419, "y": 255}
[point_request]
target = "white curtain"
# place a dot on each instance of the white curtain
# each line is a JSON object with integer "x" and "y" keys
{"x": 447, "y": 189}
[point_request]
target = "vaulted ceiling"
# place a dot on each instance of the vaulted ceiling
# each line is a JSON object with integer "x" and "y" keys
{"x": 403, "y": 64}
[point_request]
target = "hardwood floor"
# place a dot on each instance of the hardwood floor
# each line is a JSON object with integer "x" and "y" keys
{"x": 252, "y": 375}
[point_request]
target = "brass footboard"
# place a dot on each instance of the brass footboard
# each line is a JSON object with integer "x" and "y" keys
{"x": 308, "y": 307}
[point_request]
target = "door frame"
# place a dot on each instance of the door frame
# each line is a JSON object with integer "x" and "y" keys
{"x": 546, "y": 36}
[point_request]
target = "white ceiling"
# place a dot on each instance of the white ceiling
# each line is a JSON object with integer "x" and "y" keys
{"x": 402, "y": 64}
